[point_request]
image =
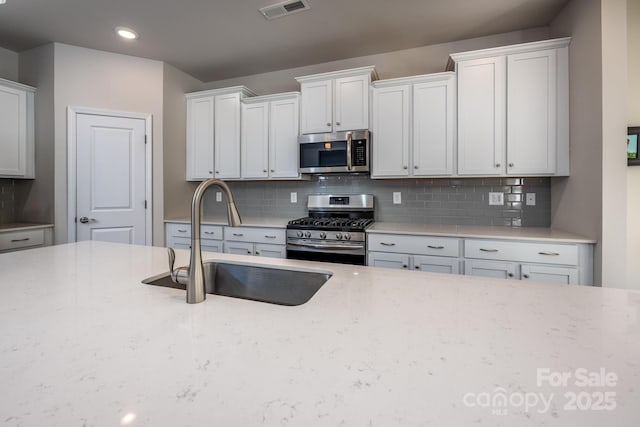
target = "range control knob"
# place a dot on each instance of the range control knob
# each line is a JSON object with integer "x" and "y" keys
{"x": 307, "y": 234}
{"x": 323, "y": 235}
{"x": 339, "y": 236}
{"x": 347, "y": 236}
{"x": 299, "y": 233}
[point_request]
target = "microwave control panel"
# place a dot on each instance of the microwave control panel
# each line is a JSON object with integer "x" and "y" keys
{"x": 359, "y": 153}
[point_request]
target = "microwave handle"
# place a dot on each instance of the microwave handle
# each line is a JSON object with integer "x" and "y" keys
{"x": 349, "y": 161}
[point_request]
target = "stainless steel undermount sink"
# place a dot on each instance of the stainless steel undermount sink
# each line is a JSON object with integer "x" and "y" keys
{"x": 258, "y": 283}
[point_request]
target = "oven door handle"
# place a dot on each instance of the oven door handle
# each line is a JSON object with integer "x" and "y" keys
{"x": 315, "y": 246}
{"x": 349, "y": 161}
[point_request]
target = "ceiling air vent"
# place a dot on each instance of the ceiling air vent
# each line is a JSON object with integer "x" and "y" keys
{"x": 284, "y": 8}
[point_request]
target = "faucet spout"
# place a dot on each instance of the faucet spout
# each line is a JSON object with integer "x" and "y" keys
{"x": 195, "y": 282}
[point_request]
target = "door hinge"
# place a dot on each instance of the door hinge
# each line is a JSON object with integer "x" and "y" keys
{"x": 75, "y": 219}
{"x": 145, "y": 139}
{"x": 145, "y": 204}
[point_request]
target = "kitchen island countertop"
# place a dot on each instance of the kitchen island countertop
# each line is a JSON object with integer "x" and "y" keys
{"x": 85, "y": 343}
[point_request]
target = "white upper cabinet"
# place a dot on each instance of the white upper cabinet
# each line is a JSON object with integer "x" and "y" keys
{"x": 513, "y": 109}
{"x": 336, "y": 101}
{"x": 414, "y": 126}
{"x": 213, "y": 133}
{"x": 270, "y": 127}
{"x": 16, "y": 130}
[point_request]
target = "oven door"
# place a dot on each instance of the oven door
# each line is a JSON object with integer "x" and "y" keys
{"x": 323, "y": 251}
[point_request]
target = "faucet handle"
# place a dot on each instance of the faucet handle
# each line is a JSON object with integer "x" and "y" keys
{"x": 179, "y": 275}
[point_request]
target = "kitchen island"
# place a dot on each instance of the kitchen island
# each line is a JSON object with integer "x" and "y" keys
{"x": 85, "y": 343}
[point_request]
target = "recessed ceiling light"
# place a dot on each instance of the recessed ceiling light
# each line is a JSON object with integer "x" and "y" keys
{"x": 3, "y": 1}
{"x": 125, "y": 33}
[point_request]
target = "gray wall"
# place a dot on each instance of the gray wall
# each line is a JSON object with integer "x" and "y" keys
{"x": 8, "y": 64}
{"x": 424, "y": 201}
{"x": 401, "y": 63}
{"x": 633, "y": 173}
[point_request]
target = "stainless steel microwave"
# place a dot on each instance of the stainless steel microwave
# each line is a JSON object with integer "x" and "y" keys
{"x": 334, "y": 152}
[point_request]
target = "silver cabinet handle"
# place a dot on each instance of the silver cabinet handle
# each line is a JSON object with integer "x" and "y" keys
{"x": 404, "y": 265}
{"x": 417, "y": 267}
{"x": 526, "y": 276}
{"x": 510, "y": 165}
{"x": 405, "y": 167}
{"x": 497, "y": 165}
{"x": 549, "y": 253}
{"x": 210, "y": 172}
{"x": 269, "y": 237}
{"x": 349, "y": 138}
{"x": 209, "y": 232}
{"x": 329, "y": 124}
{"x": 387, "y": 244}
{"x": 488, "y": 250}
{"x": 435, "y": 247}
{"x": 264, "y": 171}
{"x": 238, "y": 234}
{"x": 273, "y": 170}
{"x": 26, "y": 239}
{"x": 337, "y": 123}
{"x": 182, "y": 231}
{"x": 415, "y": 166}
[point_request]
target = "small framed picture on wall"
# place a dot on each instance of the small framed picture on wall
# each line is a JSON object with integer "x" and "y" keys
{"x": 633, "y": 136}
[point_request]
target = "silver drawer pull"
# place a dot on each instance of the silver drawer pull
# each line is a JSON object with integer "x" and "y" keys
{"x": 387, "y": 244}
{"x": 435, "y": 247}
{"x": 549, "y": 253}
{"x": 182, "y": 231}
{"x": 209, "y": 232}
{"x": 238, "y": 234}
{"x": 488, "y": 250}
{"x": 269, "y": 237}
{"x": 26, "y": 239}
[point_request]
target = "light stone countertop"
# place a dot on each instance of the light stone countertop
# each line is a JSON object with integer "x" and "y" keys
{"x": 85, "y": 343}
{"x": 480, "y": 231}
{"x": 21, "y": 226}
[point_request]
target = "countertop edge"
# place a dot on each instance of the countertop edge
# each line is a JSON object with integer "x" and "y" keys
{"x": 21, "y": 227}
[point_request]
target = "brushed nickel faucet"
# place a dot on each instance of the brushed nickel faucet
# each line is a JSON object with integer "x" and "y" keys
{"x": 193, "y": 276}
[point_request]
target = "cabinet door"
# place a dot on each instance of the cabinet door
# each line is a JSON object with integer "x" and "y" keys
{"x": 433, "y": 127}
{"x": 351, "y": 103}
{"x": 13, "y": 131}
{"x": 436, "y": 264}
{"x": 317, "y": 106}
{"x": 271, "y": 251}
{"x": 283, "y": 138}
{"x": 386, "y": 260}
{"x": 390, "y": 140}
{"x": 497, "y": 269}
{"x": 210, "y": 245}
{"x": 227, "y": 136}
{"x": 238, "y": 248}
{"x": 200, "y": 138}
{"x": 547, "y": 274}
{"x": 255, "y": 140}
{"x": 481, "y": 116}
{"x": 531, "y": 113}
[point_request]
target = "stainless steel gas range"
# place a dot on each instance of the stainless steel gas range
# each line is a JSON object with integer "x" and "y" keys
{"x": 334, "y": 231}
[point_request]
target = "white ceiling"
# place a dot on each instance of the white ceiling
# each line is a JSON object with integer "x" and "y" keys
{"x": 217, "y": 39}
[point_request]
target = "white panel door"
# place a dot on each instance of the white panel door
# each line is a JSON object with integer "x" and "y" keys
{"x": 255, "y": 140}
{"x": 390, "y": 154}
{"x": 13, "y": 131}
{"x": 482, "y": 116}
{"x": 531, "y": 113}
{"x": 433, "y": 127}
{"x": 200, "y": 138}
{"x": 110, "y": 164}
{"x": 227, "y": 136}
{"x": 351, "y": 103}
{"x": 284, "y": 156}
{"x": 317, "y": 99}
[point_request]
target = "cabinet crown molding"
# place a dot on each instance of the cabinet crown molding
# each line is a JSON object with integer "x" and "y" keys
{"x": 371, "y": 70}
{"x": 273, "y": 97}
{"x": 506, "y": 50}
{"x": 414, "y": 79}
{"x": 244, "y": 91}
{"x": 16, "y": 85}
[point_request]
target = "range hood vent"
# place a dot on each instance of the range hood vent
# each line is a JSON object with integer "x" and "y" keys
{"x": 284, "y": 8}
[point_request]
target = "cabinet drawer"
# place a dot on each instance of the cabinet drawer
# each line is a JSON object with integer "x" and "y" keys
{"x": 419, "y": 245}
{"x": 545, "y": 253}
{"x": 256, "y": 235}
{"x": 21, "y": 239}
{"x": 206, "y": 245}
{"x": 184, "y": 230}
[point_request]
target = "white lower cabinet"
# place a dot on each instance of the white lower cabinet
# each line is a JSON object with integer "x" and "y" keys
{"x": 563, "y": 263}
{"x": 258, "y": 241}
{"x": 25, "y": 239}
{"x": 421, "y": 253}
{"x": 179, "y": 237}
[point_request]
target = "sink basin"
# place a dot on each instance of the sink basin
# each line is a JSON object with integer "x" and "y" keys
{"x": 252, "y": 282}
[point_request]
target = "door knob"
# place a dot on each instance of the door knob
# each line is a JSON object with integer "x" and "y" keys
{"x": 86, "y": 220}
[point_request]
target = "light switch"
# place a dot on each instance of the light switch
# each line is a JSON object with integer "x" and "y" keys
{"x": 397, "y": 197}
{"x": 531, "y": 199}
{"x": 496, "y": 199}
{"x": 218, "y": 196}
{"x": 294, "y": 197}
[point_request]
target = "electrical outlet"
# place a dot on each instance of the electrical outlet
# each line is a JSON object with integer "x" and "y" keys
{"x": 294, "y": 197}
{"x": 531, "y": 199}
{"x": 397, "y": 197}
{"x": 218, "y": 196}
{"x": 496, "y": 199}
